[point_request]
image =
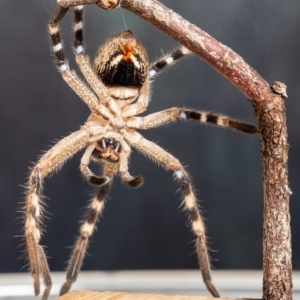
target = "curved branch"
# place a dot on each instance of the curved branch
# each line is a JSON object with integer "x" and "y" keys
{"x": 219, "y": 56}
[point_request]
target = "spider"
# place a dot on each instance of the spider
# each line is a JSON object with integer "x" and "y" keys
{"x": 118, "y": 91}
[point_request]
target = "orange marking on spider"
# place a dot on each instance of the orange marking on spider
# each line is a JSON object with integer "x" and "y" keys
{"x": 127, "y": 51}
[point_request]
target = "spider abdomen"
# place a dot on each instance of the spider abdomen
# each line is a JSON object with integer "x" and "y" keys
{"x": 122, "y": 61}
{"x": 124, "y": 73}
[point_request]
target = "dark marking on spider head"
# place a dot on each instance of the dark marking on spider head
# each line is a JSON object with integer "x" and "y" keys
{"x": 122, "y": 61}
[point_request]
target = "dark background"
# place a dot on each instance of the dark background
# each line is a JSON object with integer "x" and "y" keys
{"x": 146, "y": 228}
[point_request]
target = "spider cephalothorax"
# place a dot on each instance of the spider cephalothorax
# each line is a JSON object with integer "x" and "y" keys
{"x": 118, "y": 91}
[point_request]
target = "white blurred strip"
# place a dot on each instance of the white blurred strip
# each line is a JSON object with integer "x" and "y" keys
{"x": 247, "y": 284}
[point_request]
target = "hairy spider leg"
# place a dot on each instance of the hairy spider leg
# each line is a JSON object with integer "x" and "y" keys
{"x": 49, "y": 162}
{"x": 88, "y": 175}
{"x": 168, "y": 161}
{"x": 129, "y": 180}
{"x": 172, "y": 114}
{"x": 168, "y": 60}
{"x": 94, "y": 211}
{"x": 70, "y": 76}
{"x": 85, "y": 67}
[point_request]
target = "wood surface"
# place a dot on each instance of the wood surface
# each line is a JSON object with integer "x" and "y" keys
{"x": 87, "y": 295}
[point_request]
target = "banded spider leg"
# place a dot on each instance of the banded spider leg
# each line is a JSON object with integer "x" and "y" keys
{"x": 49, "y": 162}
{"x": 116, "y": 155}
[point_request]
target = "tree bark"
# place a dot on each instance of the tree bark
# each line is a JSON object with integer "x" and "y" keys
{"x": 269, "y": 110}
{"x": 277, "y": 268}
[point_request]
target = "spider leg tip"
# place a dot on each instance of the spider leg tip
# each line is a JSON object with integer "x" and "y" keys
{"x": 99, "y": 181}
{"x": 65, "y": 287}
{"x": 212, "y": 289}
{"x": 136, "y": 181}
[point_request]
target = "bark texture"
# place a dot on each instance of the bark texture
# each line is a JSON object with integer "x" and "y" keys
{"x": 277, "y": 281}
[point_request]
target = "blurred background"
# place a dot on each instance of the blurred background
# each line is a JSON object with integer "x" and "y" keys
{"x": 146, "y": 228}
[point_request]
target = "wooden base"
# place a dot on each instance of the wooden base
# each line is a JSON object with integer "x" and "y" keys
{"x": 87, "y": 295}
